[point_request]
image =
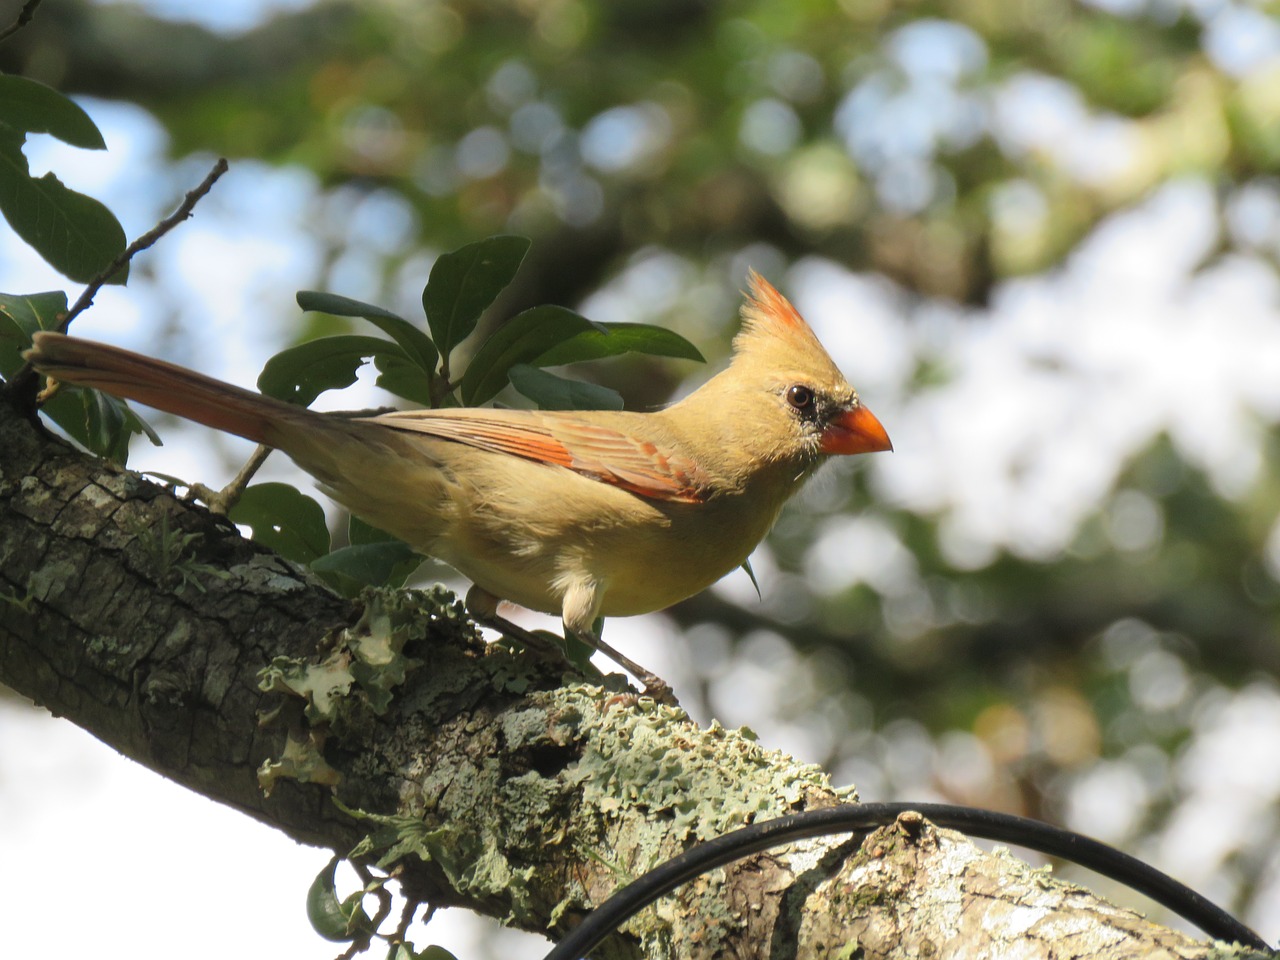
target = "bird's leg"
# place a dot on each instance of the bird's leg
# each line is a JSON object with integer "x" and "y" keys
{"x": 483, "y": 606}
{"x": 581, "y": 606}
{"x": 654, "y": 685}
{"x": 221, "y": 501}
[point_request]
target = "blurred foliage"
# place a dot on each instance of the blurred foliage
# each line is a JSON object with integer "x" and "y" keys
{"x": 922, "y": 141}
{"x": 599, "y": 128}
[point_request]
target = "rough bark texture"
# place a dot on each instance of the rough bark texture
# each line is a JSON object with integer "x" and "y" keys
{"x": 495, "y": 781}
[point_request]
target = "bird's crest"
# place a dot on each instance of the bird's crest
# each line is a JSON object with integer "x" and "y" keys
{"x": 772, "y": 327}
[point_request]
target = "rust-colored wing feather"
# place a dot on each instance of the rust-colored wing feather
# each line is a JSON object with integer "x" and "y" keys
{"x": 599, "y": 452}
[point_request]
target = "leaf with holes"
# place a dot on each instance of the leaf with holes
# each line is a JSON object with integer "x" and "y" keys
{"x": 283, "y": 519}
{"x": 302, "y": 373}
{"x": 78, "y": 236}
{"x": 417, "y": 345}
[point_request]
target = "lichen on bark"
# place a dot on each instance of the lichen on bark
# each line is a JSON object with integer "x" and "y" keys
{"x": 520, "y": 789}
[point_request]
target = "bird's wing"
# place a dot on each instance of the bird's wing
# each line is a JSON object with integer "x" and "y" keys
{"x": 599, "y": 452}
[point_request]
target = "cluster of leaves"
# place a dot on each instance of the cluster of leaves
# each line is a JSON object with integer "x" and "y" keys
{"x": 416, "y": 364}
{"x": 81, "y": 238}
{"x": 76, "y": 234}
{"x": 744, "y": 116}
{"x": 346, "y": 920}
{"x": 412, "y": 362}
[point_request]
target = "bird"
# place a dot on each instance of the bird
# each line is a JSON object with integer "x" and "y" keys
{"x": 581, "y": 514}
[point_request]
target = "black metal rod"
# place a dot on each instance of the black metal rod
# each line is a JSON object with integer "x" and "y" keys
{"x": 864, "y": 817}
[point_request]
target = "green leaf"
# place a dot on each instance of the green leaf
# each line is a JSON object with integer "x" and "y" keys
{"x": 417, "y": 345}
{"x": 99, "y": 422}
{"x": 465, "y": 282}
{"x": 550, "y": 392}
{"x": 358, "y": 920}
{"x": 105, "y": 423}
{"x": 33, "y": 312}
{"x": 31, "y": 107}
{"x": 68, "y": 410}
{"x": 323, "y": 908}
{"x": 611, "y": 339}
{"x": 406, "y": 951}
{"x": 22, "y": 315}
{"x": 77, "y": 235}
{"x": 302, "y": 373}
{"x": 284, "y": 519}
{"x": 110, "y": 423}
{"x": 370, "y": 566}
{"x": 522, "y": 339}
{"x": 352, "y": 568}
{"x": 359, "y": 532}
{"x": 404, "y": 378}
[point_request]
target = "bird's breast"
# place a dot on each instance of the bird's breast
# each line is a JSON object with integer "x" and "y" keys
{"x": 526, "y": 535}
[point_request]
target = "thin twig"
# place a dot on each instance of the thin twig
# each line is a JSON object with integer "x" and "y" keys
{"x": 24, "y": 17}
{"x": 440, "y": 387}
{"x": 147, "y": 239}
{"x": 406, "y": 918}
{"x": 21, "y": 387}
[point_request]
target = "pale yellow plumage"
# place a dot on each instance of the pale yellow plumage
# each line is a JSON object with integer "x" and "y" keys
{"x": 581, "y": 514}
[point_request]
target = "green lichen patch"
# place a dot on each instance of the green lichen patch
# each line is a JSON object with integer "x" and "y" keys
{"x": 355, "y": 678}
{"x": 472, "y": 863}
{"x": 367, "y": 657}
{"x": 322, "y": 685}
{"x": 302, "y": 760}
{"x": 705, "y": 783}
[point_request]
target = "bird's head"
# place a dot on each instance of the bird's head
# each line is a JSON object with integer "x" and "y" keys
{"x": 817, "y": 412}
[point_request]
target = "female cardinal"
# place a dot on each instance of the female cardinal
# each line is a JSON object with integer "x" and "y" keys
{"x": 584, "y": 514}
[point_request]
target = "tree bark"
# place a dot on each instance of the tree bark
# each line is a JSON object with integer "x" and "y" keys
{"x": 487, "y": 778}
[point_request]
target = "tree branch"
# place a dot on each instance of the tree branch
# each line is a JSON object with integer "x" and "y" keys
{"x": 491, "y": 780}
{"x": 25, "y": 16}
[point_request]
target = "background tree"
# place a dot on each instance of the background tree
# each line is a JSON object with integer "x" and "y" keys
{"x": 1043, "y": 239}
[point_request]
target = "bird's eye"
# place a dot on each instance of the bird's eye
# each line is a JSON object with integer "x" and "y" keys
{"x": 800, "y": 397}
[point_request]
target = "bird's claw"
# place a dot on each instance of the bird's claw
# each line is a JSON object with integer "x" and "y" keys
{"x": 654, "y": 685}
{"x": 659, "y": 690}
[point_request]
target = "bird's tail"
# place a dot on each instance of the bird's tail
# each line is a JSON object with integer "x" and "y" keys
{"x": 167, "y": 387}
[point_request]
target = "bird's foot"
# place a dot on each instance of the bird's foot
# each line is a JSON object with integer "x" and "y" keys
{"x": 539, "y": 643}
{"x": 659, "y": 689}
{"x": 483, "y": 606}
{"x": 654, "y": 685}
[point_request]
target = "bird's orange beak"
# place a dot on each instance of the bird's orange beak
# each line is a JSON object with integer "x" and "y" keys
{"x": 855, "y": 431}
